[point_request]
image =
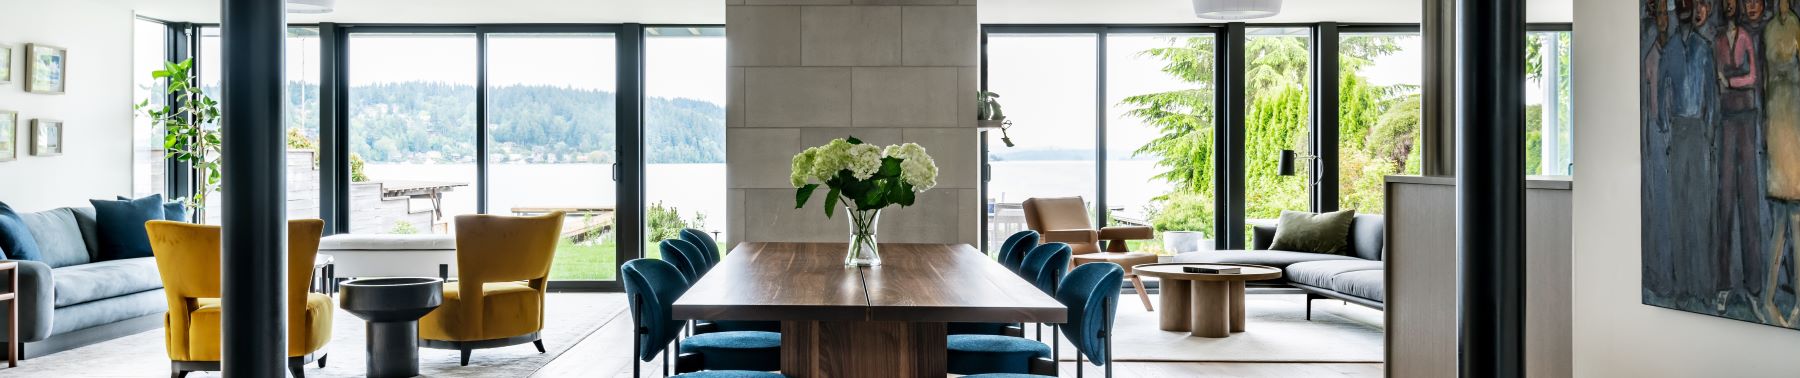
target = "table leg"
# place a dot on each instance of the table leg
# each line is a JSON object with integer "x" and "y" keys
{"x": 1175, "y": 305}
{"x": 1236, "y": 291}
{"x": 1211, "y": 309}
{"x": 862, "y": 349}
{"x": 393, "y": 349}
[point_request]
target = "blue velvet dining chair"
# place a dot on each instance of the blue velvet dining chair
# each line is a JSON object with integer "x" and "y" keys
{"x": 986, "y": 353}
{"x": 1012, "y": 252}
{"x": 682, "y": 253}
{"x": 706, "y": 243}
{"x": 652, "y": 286}
{"x": 1091, "y": 292}
{"x": 1045, "y": 264}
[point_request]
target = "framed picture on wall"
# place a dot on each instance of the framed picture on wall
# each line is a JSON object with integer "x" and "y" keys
{"x": 9, "y": 135}
{"x": 46, "y": 68}
{"x": 46, "y": 137}
{"x": 6, "y": 64}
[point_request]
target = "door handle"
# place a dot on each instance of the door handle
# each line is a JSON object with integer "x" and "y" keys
{"x": 615, "y": 171}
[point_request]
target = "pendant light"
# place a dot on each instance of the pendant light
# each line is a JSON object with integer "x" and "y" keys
{"x": 1236, "y": 9}
{"x": 310, "y": 6}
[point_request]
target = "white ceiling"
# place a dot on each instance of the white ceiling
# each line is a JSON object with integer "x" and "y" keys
{"x": 713, "y": 11}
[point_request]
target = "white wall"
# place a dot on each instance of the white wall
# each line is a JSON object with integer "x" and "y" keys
{"x": 96, "y": 160}
{"x": 1616, "y": 335}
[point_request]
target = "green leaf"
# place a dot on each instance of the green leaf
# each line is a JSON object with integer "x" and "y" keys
{"x": 906, "y": 195}
{"x": 890, "y": 167}
{"x": 831, "y": 202}
{"x": 804, "y": 193}
{"x": 872, "y": 199}
{"x": 852, "y": 139}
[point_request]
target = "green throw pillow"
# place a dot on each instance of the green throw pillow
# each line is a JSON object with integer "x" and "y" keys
{"x": 1317, "y": 233}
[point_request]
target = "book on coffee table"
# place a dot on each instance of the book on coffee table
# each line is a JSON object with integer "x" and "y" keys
{"x": 1208, "y": 270}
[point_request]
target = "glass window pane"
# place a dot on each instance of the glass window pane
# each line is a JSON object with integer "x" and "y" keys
{"x": 302, "y": 116}
{"x": 1549, "y": 116}
{"x": 1159, "y": 137}
{"x": 684, "y": 133}
{"x": 551, "y": 141}
{"x": 412, "y": 131}
{"x": 1277, "y": 64}
{"x": 1046, "y": 84}
{"x": 149, "y": 50}
{"x": 1378, "y": 115}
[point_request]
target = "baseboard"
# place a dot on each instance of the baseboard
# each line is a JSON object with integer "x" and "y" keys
{"x": 91, "y": 335}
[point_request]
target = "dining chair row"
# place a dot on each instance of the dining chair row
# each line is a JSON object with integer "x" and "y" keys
{"x": 1044, "y": 266}
{"x": 715, "y": 348}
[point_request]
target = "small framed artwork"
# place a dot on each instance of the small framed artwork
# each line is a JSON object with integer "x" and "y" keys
{"x": 9, "y": 135}
{"x": 46, "y": 137}
{"x": 46, "y": 68}
{"x": 6, "y": 64}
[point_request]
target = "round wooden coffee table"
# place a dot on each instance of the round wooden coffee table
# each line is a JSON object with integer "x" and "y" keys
{"x": 1204, "y": 304}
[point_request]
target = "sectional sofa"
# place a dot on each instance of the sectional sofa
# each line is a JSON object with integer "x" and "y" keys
{"x": 1356, "y": 277}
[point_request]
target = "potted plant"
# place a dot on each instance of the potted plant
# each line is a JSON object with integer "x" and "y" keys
{"x": 1176, "y": 242}
{"x": 864, "y": 179}
{"x": 186, "y": 136}
{"x": 988, "y": 115}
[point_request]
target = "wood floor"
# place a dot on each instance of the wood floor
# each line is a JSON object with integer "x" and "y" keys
{"x": 606, "y": 353}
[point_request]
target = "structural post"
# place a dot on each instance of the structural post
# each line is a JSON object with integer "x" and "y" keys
{"x": 253, "y": 261}
{"x": 1437, "y": 130}
{"x": 1228, "y": 162}
{"x": 1322, "y": 182}
{"x": 1490, "y": 187}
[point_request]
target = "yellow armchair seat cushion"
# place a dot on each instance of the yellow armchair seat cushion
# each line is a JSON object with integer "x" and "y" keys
{"x": 203, "y": 332}
{"x": 510, "y": 309}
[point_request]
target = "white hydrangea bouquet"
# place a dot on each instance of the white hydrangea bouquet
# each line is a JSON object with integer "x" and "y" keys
{"x": 863, "y": 178}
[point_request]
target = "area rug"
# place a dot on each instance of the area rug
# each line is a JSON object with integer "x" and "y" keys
{"x": 1276, "y": 330}
{"x": 569, "y": 317}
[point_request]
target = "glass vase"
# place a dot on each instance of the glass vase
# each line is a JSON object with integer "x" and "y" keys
{"x": 863, "y": 248}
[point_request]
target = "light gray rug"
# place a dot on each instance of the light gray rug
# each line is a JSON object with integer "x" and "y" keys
{"x": 1276, "y": 330}
{"x": 569, "y": 317}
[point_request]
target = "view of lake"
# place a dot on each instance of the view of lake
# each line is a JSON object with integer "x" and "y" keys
{"x": 701, "y": 187}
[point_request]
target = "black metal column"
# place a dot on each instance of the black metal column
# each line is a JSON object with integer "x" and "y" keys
{"x": 630, "y": 160}
{"x": 1101, "y": 212}
{"x": 1490, "y": 187}
{"x": 1324, "y": 187}
{"x": 334, "y": 146}
{"x": 253, "y": 259}
{"x": 1228, "y": 141}
{"x": 481, "y": 122}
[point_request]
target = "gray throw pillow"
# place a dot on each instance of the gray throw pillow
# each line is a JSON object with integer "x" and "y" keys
{"x": 1317, "y": 233}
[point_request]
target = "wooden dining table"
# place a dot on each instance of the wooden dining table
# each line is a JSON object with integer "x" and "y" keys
{"x": 884, "y": 321}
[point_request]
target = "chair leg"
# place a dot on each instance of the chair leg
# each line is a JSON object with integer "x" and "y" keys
{"x": 1138, "y": 283}
{"x": 1309, "y": 299}
{"x": 465, "y": 356}
{"x": 322, "y": 360}
{"x": 540, "y": 345}
{"x": 297, "y": 368}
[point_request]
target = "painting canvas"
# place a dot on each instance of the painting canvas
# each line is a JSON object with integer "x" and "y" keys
{"x": 1720, "y": 146}
{"x": 9, "y": 135}
{"x": 46, "y": 137}
{"x": 6, "y": 63}
{"x": 46, "y": 68}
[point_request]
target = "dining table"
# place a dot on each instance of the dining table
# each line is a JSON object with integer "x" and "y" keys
{"x": 850, "y": 321}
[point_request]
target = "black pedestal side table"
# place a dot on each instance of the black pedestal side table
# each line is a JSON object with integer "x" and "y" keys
{"x": 392, "y": 307}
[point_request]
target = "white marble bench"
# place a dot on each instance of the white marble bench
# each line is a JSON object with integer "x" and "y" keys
{"x": 379, "y": 255}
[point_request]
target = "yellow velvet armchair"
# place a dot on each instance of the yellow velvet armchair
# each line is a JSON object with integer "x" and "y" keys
{"x": 187, "y": 255}
{"x": 503, "y": 264}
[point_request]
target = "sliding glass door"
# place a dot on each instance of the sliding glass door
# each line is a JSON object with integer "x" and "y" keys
{"x": 412, "y": 126}
{"x": 1047, "y": 83}
{"x": 552, "y": 141}
{"x": 684, "y": 133}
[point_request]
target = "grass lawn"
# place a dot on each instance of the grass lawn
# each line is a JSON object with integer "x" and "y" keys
{"x": 592, "y": 262}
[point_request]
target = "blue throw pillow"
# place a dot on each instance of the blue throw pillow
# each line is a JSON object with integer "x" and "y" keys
{"x": 174, "y": 210}
{"x": 121, "y": 226}
{"x": 15, "y": 238}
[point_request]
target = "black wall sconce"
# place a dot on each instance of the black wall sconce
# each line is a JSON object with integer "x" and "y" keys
{"x": 1286, "y": 165}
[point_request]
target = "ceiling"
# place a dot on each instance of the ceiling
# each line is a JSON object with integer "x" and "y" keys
{"x": 713, "y": 11}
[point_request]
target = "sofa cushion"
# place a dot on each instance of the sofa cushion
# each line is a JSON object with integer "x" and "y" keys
{"x": 1321, "y": 273}
{"x": 58, "y": 237}
{"x": 16, "y": 240}
{"x": 108, "y": 311}
{"x": 1276, "y": 259}
{"x": 1314, "y": 232}
{"x": 1368, "y": 236}
{"x": 106, "y": 279}
{"x": 122, "y": 234}
{"x": 172, "y": 210}
{"x": 388, "y": 242}
{"x": 1366, "y": 284}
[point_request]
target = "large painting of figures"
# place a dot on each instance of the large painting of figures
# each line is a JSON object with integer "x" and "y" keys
{"x": 1720, "y": 94}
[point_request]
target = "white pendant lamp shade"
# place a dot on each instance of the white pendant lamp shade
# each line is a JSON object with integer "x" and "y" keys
{"x": 1236, "y": 9}
{"x": 310, "y": 6}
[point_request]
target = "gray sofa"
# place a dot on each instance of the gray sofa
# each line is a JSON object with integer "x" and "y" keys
{"x": 70, "y": 299}
{"x": 1356, "y": 277}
